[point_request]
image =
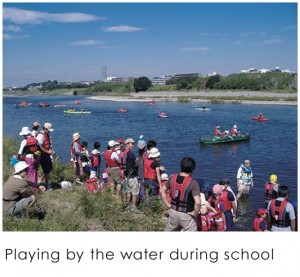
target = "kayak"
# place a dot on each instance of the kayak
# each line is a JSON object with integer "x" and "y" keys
{"x": 163, "y": 115}
{"x": 76, "y": 112}
{"x": 43, "y": 105}
{"x": 123, "y": 110}
{"x": 227, "y": 139}
{"x": 260, "y": 118}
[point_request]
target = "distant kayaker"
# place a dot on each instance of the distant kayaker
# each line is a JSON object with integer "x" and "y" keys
{"x": 234, "y": 131}
{"x": 218, "y": 133}
{"x": 261, "y": 115}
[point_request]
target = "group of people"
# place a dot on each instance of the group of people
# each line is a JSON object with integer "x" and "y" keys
{"x": 222, "y": 134}
{"x": 188, "y": 206}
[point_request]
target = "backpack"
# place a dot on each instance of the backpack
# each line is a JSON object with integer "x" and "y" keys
{"x": 95, "y": 160}
{"x": 32, "y": 144}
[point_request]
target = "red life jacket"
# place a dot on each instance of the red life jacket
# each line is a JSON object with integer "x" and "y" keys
{"x": 148, "y": 171}
{"x": 47, "y": 143}
{"x": 109, "y": 161}
{"x": 233, "y": 131}
{"x": 217, "y": 223}
{"x": 32, "y": 144}
{"x": 145, "y": 156}
{"x": 180, "y": 200}
{"x": 204, "y": 223}
{"x": 224, "y": 198}
{"x": 256, "y": 223}
{"x": 73, "y": 151}
{"x": 279, "y": 216}
{"x": 268, "y": 190}
{"x": 217, "y": 133}
{"x": 95, "y": 160}
{"x": 124, "y": 157}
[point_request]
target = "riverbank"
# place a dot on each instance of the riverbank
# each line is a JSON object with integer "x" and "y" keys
{"x": 238, "y": 97}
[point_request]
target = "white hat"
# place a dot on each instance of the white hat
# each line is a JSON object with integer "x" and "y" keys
{"x": 154, "y": 153}
{"x": 76, "y": 136}
{"x": 25, "y": 131}
{"x": 111, "y": 143}
{"x": 95, "y": 151}
{"x": 141, "y": 136}
{"x": 129, "y": 140}
{"x": 164, "y": 177}
{"x": 234, "y": 126}
{"x": 20, "y": 166}
{"x": 246, "y": 162}
{"x": 48, "y": 126}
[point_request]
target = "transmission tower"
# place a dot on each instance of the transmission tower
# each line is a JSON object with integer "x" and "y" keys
{"x": 104, "y": 73}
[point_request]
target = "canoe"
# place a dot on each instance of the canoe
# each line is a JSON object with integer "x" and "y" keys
{"x": 76, "y": 112}
{"x": 260, "y": 118}
{"x": 228, "y": 139}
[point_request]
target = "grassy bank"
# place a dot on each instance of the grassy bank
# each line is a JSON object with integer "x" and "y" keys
{"x": 78, "y": 209}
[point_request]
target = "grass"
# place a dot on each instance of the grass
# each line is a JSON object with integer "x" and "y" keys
{"x": 78, "y": 209}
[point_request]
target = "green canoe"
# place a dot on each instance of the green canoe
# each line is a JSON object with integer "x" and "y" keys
{"x": 71, "y": 111}
{"x": 228, "y": 139}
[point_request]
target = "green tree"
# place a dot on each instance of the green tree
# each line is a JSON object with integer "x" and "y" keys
{"x": 212, "y": 81}
{"x": 142, "y": 84}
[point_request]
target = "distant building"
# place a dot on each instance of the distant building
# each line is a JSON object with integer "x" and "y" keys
{"x": 118, "y": 79}
{"x": 159, "y": 81}
{"x": 177, "y": 76}
{"x": 212, "y": 74}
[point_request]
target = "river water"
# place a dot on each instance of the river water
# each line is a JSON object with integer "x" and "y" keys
{"x": 272, "y": 148}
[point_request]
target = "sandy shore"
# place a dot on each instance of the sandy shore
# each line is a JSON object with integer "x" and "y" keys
{"x": 173, "y": 96}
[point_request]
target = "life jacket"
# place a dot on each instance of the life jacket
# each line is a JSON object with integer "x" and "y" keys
{"x": 181, "y": 197}
{"x": 279, "y": 216}
{"x": 224, "y": 198}
{"x": 256, "y": 223}
{"x": 269, "y": 190}
{"x": 47, "y": 143}
{"x": 73, "y": 151}
{"x": 233, "y": 131}
{"x": 148, "y": 172}
{"x": 124, "y": 157}
{"x": 109, "y": 161}
{"x": 217, "y": 223}
{"x": 32, "y": 144}
{"x": 216, "y": 133}
{"x": 95, "y": 159}
{"x": 145, "y": 155}
{"x": 204, "y": 223}
{"x": 246, "y": 176}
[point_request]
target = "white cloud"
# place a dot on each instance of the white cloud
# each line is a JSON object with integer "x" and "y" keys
{"x": 195, "y": 49}
{"x": 12, "y": 28}
{"x": 122, "y": 29}
{"x": 271, "y": 41}
{"x": 291, "y": 27}
{"x": 88, "y": 42}
{"x": 10, "y": 37}
{"x": 19, "y": 16}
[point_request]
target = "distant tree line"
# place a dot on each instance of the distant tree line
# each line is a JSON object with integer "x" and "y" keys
{"x": 270, "y": 81}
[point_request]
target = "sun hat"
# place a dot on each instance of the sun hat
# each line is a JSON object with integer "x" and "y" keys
{"x": 20, "y": 166}
{"x": 262, "y": 211}
{"x": 129, "y": 140}
{"x": 25, "y": 131}
{"x": 76, "y": 136}
{"x": 94, "y": 151}
{"x": 234, "y": 126}
{"x": 246, "y": 162}
{"x": 48, "y": 126}
{"x": 141, "y": 136}
{"x": 154, "y": 153}
{"x": 164, "y": 177}
{"x": 217, "y": 189}
{"x": 111, "y": 143}
{"x": 36, "y": 124}
{"x": 218, "y": 127}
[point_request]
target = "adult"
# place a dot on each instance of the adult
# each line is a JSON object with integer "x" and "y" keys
{"x": 141, "y": 144}
{"x": 185, "y": 198}
{"x": 29, "y": 151}
{"x": 34, "y": 129}
{"x": 281, "y": 212}
{"x": 244, "y": 179}
{"x": 271, "y": 188}
{"x": 45, "y": 143}
{"x": 234, "y": 131}
{"x": 132, "y": 184}
{"x": 151, "y": 172}
{"x": 150, "y": 145}
{"x": 18, "y": 195}
{"x": 113, "y": 163}
{"x": 229, "y": 200}
{"x": 217, "y": 133}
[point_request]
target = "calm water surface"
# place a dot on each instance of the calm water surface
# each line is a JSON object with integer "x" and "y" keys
{"x": 272, "y": 148}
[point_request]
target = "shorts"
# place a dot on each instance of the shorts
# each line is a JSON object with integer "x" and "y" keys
{"x": 46, "y": 163}
{"x": 244, "y": 188}
{"x": 114, "y": 173}
{"x": 132, "y": 185}
{"x": 179, "y": 221}
{"x": 152, "y": 185}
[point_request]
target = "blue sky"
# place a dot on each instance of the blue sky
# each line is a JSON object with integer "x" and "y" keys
{"x": 73, "y": 41}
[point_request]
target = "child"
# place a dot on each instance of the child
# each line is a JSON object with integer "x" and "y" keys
{"x": 205, "y": 215}
{"x": 95, "y": 160}
{"x": 85, "y": 159}
{"x": 260, "y": 223}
